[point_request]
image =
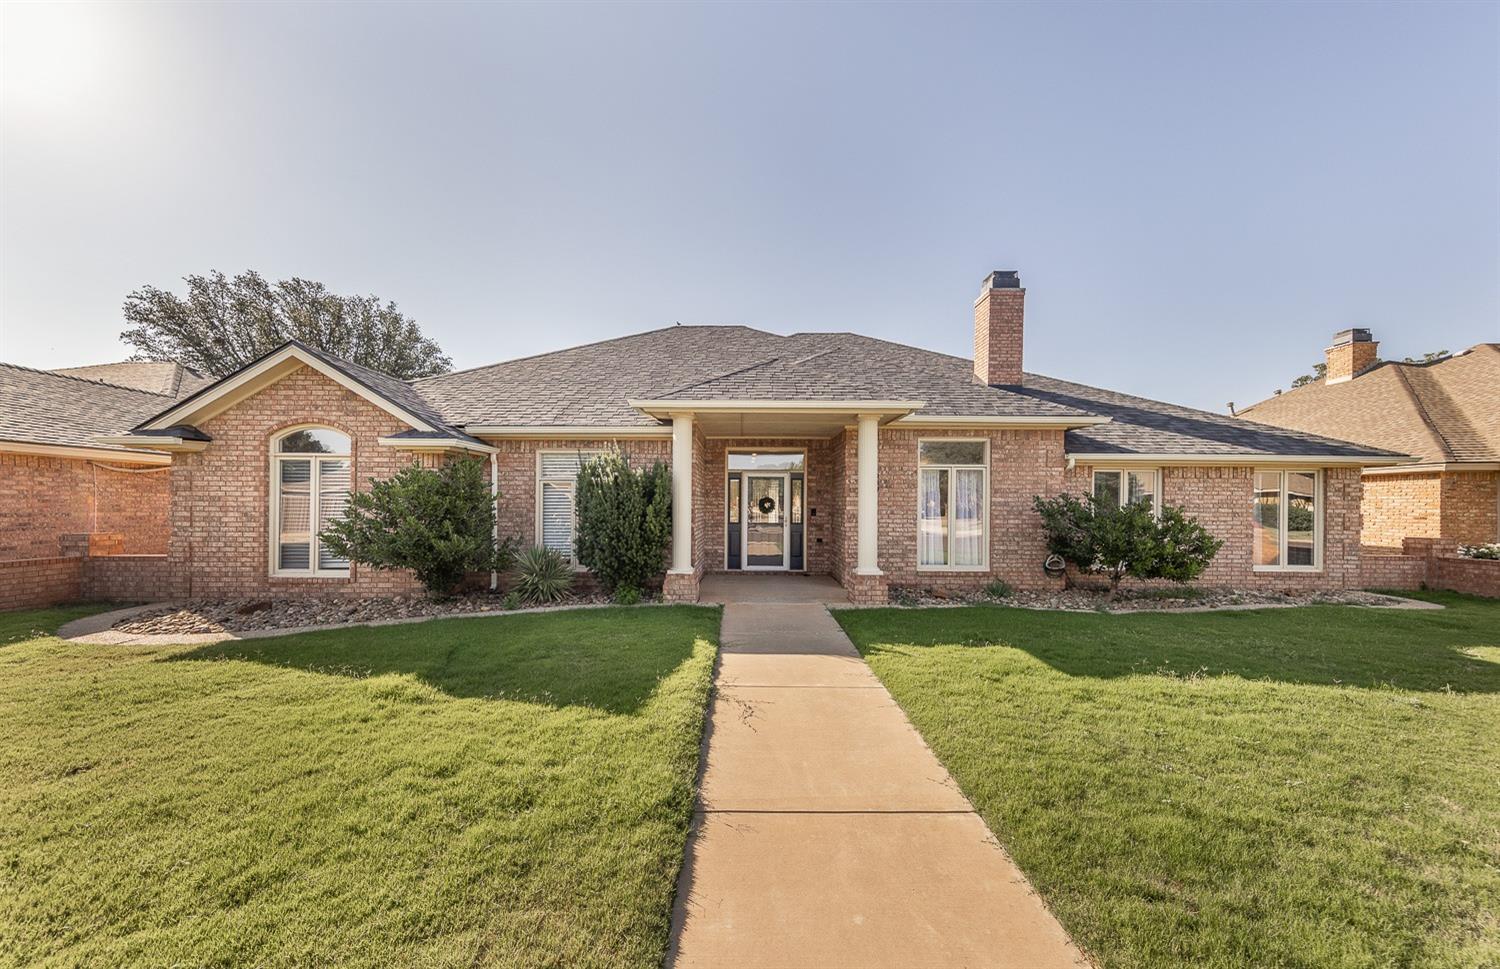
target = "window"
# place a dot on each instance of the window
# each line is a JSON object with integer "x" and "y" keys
{"x": 1285, "y": 524}
{"x": 311, "y": 475}
{"x": 1128, "y": 487}
{"x": 557, "y": 473}
{"x": 952, "y": 479}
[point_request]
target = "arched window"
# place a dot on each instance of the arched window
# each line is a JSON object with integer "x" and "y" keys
{"x": 311, "y": 474}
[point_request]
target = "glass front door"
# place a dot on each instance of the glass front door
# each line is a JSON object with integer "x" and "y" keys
{"x": 765, "y": 521}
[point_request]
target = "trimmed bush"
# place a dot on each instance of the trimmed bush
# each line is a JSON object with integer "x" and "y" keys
{"x": 1099, "y": 536}
{"x": 623, "y": 520}
{"x": 438, "y": 523}
{"x": 542, "y": 576}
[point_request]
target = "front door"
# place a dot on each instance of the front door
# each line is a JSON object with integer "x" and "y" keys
{"x": 766, "y": 532}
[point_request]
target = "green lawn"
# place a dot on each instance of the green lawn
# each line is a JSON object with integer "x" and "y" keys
{"x": 503, "y": 791}
{"x": 1296, "y": 787}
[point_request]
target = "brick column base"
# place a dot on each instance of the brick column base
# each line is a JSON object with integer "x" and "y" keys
{"x": 678, "y": 587}
{"x": 866, "y": 590}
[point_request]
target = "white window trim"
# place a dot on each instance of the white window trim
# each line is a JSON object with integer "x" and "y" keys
{"x": 570, "y": 484}
{"x": 984, "y": 566}
{"x": 1125, "y": 484}
{"x": 313, "y": 572}
{"x": 1320, "y": 511}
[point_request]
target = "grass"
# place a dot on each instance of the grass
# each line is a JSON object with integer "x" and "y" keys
{"x": 503, "y": 791}
{"x": 1297, "y": 787}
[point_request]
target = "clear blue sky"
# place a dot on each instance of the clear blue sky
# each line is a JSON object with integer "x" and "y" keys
{"x": 1196, "y": 195}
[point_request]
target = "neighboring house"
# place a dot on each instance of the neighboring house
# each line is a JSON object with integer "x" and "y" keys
{"x": 1445, "y": 414}
{"x": 62, "y": 490}
{"x": 878, "y": 463}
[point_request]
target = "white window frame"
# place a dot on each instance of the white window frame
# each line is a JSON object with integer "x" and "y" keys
{"x": 1283, "y": 506}
{"x": 1125, "y": 484}
{"x": 274, "y": 543}
{"x": 571, "y": 484}
{"x": 984, "y": 566}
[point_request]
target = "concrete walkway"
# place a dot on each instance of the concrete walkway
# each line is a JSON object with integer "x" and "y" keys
{"x": 827, "y": 834}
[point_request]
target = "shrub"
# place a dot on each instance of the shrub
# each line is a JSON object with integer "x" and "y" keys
{"x": 998, "y": 589}
{"x": 512, "y": 600}
{"x": 627, "y": 595}
{"x": 1099, "y": 536}
{"x": 438, "y": 523}
{"x": 542, "y": 576}
{"x": 1490, "y": 551}
{"x": 623, "y": 520}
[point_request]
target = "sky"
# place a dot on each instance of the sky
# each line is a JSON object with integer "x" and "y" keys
{"x": 1196, "y": 195}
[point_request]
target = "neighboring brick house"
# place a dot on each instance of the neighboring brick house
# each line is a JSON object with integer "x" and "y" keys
{"x": 1444, "y": 414}
{"x": 65, "y": 495}
{"x": 878, "y": 463}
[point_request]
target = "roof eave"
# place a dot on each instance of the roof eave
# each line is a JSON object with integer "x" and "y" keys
{"x": 84, "y": 452}
{"x": 154, "y": 442}
{"x": 1236, "y": 459}
{"x": 884, "y": 408}
{"x": 976, "y": 421}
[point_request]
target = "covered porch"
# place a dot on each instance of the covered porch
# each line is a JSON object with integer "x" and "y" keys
{"x": 768, "y": 489}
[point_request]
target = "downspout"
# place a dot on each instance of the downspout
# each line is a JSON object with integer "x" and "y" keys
{"x": 495, "y": 508}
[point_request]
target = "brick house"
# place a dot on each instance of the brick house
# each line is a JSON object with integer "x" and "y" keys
{"x": 66, "y": 496}
{"x": 1445, "y": 414}
{"x": 874, "y": 462}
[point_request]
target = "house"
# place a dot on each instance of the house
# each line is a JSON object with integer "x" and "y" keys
{"x": 64, "y": 494}
{"x": 877, "y": 463}
{"x": 1445, "y": 413}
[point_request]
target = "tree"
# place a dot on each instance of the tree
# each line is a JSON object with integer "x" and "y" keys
{"x": 438, "y": 523}
{"x": 624, "y": 520}
{"x": 1099, "y": 536}
{"x": 1319, "y": 371}
{"x": 222, "y": 324}
{"x": 1432, "y": 356}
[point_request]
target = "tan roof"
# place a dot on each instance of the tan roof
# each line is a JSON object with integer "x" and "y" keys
{"x": 153, "y": 376}
{"x": 43, "y": 407}
{"x": 1442, "y": 412}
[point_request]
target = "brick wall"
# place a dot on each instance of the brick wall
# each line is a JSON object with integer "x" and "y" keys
{"x": 43, "y": 498}
{"x": 220, "y": 544}
{"x": 1470, "y": 506}
{"x": 37, "y": 582}
{"x": 1381, "y": 567}
{"x": 1460, "y": 506}
{"x": 1479, "y": 577}
{"x": 130, "y": 578}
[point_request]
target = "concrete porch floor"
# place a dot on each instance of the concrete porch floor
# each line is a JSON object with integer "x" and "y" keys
{"x": 767, "y": 587}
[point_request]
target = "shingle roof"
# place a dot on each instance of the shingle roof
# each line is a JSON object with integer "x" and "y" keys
{"x": 1142, "y": 426}
{"x": 1439, "y": 412}
{"x": 591, "y": 385}
{"x": 165, "y": 377}
{"x": 44, "y": 407}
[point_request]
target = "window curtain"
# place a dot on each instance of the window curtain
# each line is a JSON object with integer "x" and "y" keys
{"x": 968, "y": 516}
{"x": 932, "y": 525}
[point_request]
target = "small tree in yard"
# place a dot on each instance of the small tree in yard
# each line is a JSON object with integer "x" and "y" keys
{"x": 1099, "y": 536}
{"x": 624, "y": 520}
{"x": 438, "y": 523}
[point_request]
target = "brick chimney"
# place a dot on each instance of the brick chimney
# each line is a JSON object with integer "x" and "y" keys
{"x": 999, "y": 318}
{"x": 1352, "y": 352}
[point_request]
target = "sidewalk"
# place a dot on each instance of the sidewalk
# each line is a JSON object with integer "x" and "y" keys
{"x": 827, "y": 834}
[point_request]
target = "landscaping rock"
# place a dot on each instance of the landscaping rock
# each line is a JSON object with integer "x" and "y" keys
{"x": 241, "y": 615}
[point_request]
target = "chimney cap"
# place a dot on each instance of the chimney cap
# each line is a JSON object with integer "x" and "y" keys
{"x": 1356, "y": 334}
{"x": 1002, "y": 279}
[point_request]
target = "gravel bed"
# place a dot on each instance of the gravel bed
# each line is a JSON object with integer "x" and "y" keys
{"x": 241, "y": 615}
{"x": 1153, "y": 600}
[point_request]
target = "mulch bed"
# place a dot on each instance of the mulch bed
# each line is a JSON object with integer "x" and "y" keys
{"x": 240, "y": 615}
{"x": 1154, "y": 600}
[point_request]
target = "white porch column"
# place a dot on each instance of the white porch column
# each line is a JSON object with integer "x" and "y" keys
{"x": 682, "y": 494}
{"x": 869, "y": 505}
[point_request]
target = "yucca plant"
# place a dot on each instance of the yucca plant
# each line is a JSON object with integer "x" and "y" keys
{"x": 542, "y": 576}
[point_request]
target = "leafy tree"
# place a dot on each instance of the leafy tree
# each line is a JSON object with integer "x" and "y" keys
{"x": 1430, "y": 357}
{"x": 223, "y": 324}
{"x": 438, "y": 523}
{"x": 624, "y": 519}
{"x": 1319, "y": 371}
{"x": 1099, "y": 536}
